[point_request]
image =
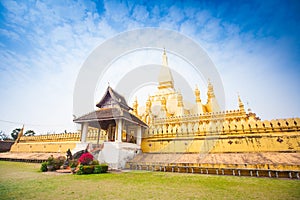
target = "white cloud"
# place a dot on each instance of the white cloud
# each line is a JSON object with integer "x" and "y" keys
{"x": 116, "y": 11}
{"x": 9, "y": 34}
{"x": 140, "y": 13}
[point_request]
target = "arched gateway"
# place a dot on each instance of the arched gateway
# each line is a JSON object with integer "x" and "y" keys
{"x": 123, "y": 130}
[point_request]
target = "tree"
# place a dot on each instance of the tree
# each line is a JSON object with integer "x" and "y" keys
{"x": 3, "y": 136}
{"x": 15, "y": 133}
{"x": 29, "y": 133}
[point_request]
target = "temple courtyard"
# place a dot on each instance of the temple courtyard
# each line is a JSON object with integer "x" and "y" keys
{"x": 19, "y": 180}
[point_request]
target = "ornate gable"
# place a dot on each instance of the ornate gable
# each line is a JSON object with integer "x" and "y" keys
{"x": 112, "y": 99}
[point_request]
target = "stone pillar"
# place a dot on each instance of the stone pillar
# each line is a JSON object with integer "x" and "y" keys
{"x": 84, "y": 131}
{"x": 139, "y": 135}
{"x": 98, "y": 136}
{"x": 119, "y": 130}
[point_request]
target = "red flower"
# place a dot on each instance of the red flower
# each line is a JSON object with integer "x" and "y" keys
{"x": 86, "y": 158}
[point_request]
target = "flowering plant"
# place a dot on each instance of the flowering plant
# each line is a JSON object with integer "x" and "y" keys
{"x": 86, "y": 158}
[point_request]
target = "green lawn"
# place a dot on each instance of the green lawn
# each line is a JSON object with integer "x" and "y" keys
{"x": 24, "y": 181}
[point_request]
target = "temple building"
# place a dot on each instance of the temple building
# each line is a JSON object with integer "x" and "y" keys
{"x": 122, "y": 130}
{"x": 165, "y": 132}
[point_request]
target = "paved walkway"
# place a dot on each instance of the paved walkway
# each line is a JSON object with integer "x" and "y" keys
{"x": 38, "y": 157}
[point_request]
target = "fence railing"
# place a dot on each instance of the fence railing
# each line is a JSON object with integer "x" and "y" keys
{"x": 181, "y": 168}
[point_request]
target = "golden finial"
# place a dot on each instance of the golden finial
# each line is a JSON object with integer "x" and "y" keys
{"x": 165, "y": 58}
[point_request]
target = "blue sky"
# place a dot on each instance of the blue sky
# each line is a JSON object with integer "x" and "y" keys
{"x": 255, "y": 46}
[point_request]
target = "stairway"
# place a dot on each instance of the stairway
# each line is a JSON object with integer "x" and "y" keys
{"x": 95, "y": 149}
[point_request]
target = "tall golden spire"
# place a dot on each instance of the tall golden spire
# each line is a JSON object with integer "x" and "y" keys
{"x": 165, "y": 77}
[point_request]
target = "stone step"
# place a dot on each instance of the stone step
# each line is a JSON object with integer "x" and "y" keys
{"x": 63, "y": 171}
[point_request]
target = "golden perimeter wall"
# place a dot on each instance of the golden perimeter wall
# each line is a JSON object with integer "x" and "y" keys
{"x": 190, "y": 137}
{"x": 194, "y": 137}
{"x": 52, "y": 143}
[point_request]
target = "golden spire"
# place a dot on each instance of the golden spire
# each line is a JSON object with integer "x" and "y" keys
{"x": 197, "y": 95}
{"x": 165, "y": 77}
{"x": 135, "y": 106}
{"x": 210, "y": 90}
{"x": 241, "y": 105}
{"x": 179, "y": 100}
{"x": 148, "y": 104}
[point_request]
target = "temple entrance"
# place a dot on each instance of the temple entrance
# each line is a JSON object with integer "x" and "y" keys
{"x": 111, "y": 133}
{"x": 129, "y": 133}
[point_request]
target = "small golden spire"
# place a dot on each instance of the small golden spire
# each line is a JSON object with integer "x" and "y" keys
{"x": 135, "y": 106}
{"x": 148, "y": 104}
{"x": 179, "y": 100}
{"x": 241, "y": 105}
{"x": 210, "y": 90}
{"x": 197, "y": 95}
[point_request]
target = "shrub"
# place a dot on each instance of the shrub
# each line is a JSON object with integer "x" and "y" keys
{"x": 86, "y": 158}
{"x": 88, "y": 169}
{"x": 80, "y": 170}
{"x": 85, "y": 169}
{"x": 58, "y": 162}
{"x": 95, "y": 162}
{"x": 100, "y": 168}
{"x": 50, "y": 160}
{"x": 97, "y": 169}
{"x": 44, "y": 166}
{"x": 104, "y": 168}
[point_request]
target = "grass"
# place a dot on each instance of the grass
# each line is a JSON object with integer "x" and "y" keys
{"x": 24, "y": 181}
